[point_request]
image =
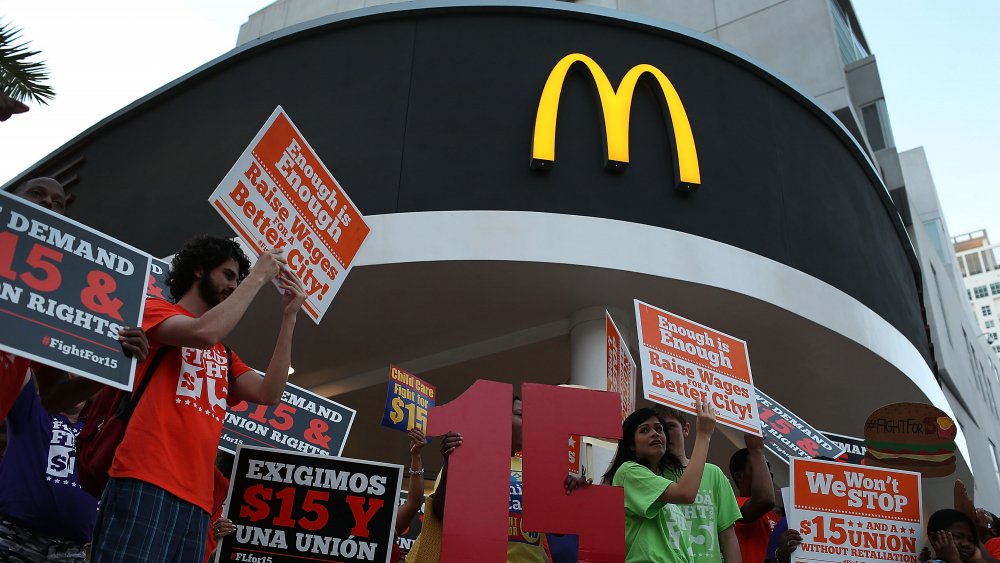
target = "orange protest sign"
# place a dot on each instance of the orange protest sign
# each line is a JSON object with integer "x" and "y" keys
{"x": 683, "y": 360}
{"x": 854, "y": 512}
{"x": 621, "y": 367}
{"x": 279, "y": 194}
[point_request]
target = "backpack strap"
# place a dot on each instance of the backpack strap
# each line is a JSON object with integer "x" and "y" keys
{"x": 229, "y": 367}
{"x": 129, "y": 403}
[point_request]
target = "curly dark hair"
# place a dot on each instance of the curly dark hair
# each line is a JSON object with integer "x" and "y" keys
{"x": 205, "y": 252}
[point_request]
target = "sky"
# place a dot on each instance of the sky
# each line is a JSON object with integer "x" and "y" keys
{"x": 938, "y": 61}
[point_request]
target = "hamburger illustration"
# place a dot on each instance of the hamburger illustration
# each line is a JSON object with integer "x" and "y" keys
{"x": 911, "y": 436}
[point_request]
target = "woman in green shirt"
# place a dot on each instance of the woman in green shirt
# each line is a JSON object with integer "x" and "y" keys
{"x": 655, "y": 529}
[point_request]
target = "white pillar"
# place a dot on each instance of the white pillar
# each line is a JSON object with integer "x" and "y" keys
{"x": 588, "y": 368}
{"x": 588, "y": 349}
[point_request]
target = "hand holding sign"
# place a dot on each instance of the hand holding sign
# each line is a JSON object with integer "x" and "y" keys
{"x": 293, "y": 294}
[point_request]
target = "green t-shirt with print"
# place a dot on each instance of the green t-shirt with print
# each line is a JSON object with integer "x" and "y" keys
{"x": 714, "y": 511}
{"x": 655, "y": 531}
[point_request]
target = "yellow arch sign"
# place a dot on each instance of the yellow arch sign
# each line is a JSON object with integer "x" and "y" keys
{"x": 616, "y": 106}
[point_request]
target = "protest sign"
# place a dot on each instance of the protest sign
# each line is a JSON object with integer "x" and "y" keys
{"x": 156, "y": 284}
{"x": 302, "y": 421}
{"x": 854, "y": 513}
{"x": 621, "y": 367}
{"x": 279, "y": 194}
{"x": 854, "y": 448}
{"x": 66, "y": 290}
{"x": 408, "y": 401}
{"x": 683, "y": 360}
{"x": 788, "y": 436}
{"x": 911, "y": 436}
{"x": 290, "y": 506}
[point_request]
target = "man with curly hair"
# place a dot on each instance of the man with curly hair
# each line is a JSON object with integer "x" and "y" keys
{"x": 158, "y": 501}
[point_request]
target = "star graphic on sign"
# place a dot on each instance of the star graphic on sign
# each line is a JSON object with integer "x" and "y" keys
{"x": 850, "y": 524}
{"x": 199, "y": 409}
{"x": 178, "y": 400}
{"x": 859, "y": 524}
{"x": 187, "y": 402}
{"x": 48, "y": 478}
{"x": 572, "y": 441}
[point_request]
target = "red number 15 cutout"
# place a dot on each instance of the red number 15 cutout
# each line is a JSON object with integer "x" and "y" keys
{"x": 478, "y": 472}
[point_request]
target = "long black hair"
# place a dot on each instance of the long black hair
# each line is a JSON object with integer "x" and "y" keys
{"x": 626, "y": 446}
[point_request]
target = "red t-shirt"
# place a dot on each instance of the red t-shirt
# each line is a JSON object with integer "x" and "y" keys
{"x": 753, "y": 536}
{"x": 173, "y": 435}
{"x": 12, "y": 371}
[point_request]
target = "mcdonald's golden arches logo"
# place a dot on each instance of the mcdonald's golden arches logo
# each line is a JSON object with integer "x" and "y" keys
{"x": 616, "y": 105}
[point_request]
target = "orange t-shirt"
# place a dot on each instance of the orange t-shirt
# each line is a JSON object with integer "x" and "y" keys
{"x": 173, "y": 435}
{"x": 753, "y": 536}
{"x": 12, "y": 371}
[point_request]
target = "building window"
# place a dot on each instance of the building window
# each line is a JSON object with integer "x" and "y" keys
{"x": 991, "y": 324}
{"x": 995, "y": 288}
{"x": 980, "y": 291}
{"x": 876, "y": 119}
{"x": 997, "y": 349}
{"x": 974, "y": 264}
{"x": 986, "y": 310}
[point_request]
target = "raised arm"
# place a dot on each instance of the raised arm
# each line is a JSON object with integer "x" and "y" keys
{"x": 415, "y": 494}
{"x": 685, "y": 490}
{"x": 761, "y": 488}
{"x": 210, "y": 328}
{"x": 267, "y": 390}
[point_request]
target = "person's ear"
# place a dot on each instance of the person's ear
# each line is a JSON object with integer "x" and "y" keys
{"x": 199, "y": 272}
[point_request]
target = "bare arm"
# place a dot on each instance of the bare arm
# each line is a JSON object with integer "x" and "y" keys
{"x": 415, "y": 494}
{"x": 209, "y": 329}
{"x": 685, "y": 490}
{"x": 267, "y": 390}
{"x": 730, "y": 545}
{"x": 761, "y": 499}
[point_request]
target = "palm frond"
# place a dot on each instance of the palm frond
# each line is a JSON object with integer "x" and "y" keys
{"x": 20, "y": 78}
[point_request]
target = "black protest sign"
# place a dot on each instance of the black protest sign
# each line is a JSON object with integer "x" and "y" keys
{"x": 788, "y": 436}
{"x": 156, "y": 285}
{"x": 290, "y": 506}
{"x": 854, "y": 448}
{"x": 302, "y": 421}
{"x": 65, "y": 291}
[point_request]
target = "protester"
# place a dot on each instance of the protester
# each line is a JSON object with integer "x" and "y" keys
{"x": 752, "y": 477}
{"x": 44, "y": 514}
{"x": 655, "y": 528}
{"x": 58, "y": 391}
{"x": 415, "y": 493}
{"x": 158, "y": 501}
{"x": 522, "y": 546}
{"x": 953, "y": 537}
{"x": 715, "y": 510}
{"x": 987, "y": 525}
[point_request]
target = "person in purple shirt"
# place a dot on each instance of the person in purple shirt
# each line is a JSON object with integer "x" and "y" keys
{"x": 44, "y": 514}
